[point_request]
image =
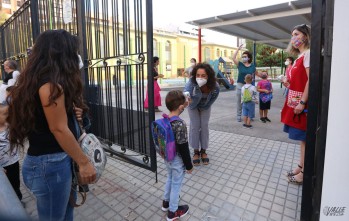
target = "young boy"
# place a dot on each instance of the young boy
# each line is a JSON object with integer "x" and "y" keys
{"x": 247, "y": 100}
{"x": 175, "y": 103}
{"x": 265, "y": 89}
{"x": 8, "y": 159}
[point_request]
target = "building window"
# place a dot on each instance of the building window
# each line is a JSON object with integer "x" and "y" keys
{"x": 231, "y": 54}
{"x": 168, "y": 51}
{"x": 207, "y": 54}
{"x": 101, "y": 43}
{"x": 218, "y": 52}
{"x": 225, "y": 53}
{"x": 121, "y": 45}
{"x": 155, "y": 48}
{"x": 6, "y": 1}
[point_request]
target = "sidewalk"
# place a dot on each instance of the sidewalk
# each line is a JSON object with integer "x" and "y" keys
{"x": 244, "y": 181}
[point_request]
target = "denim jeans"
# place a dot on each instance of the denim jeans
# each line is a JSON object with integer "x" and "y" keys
{"x": 49, "y": 177}
{"x": 175, "y": 175}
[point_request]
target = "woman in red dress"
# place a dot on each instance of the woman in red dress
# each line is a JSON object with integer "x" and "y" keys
{"x": 157, "y": 97}
{"x": 293, "y": 114}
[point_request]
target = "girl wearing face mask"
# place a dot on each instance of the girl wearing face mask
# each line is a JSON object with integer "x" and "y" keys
{"x": 288, "y": 64}
{"x": 265, "y": 89}
{"x": 245, "y": 67}
{"x": 293, "y": 114}
{"x": 203, "y": 90}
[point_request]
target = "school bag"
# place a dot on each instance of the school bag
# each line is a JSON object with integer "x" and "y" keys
{"x": 163, "y": 137}
{"x": 247, "y": 96}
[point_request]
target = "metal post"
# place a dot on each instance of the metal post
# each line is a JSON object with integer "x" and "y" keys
{"x": 3, "y": 51}
{"x": 81, "y": 21}
{"x": 150, "y": 67}
{"x": 199, "y": 33}
{"x": 34, "y": 15}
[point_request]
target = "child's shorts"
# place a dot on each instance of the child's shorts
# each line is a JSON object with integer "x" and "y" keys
{"x": 264, "y": 106}
{"x": 247, "y": 109}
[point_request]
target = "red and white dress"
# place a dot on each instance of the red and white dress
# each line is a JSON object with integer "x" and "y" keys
{"x": 298, "y": 80}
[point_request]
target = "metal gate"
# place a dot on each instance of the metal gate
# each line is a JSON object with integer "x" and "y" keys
{"x": 116, "y": 46}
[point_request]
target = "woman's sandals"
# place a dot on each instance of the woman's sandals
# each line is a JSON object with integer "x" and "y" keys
{"x": 197, "y": 155}
{"x": 291, "y": 173}
{"x": 293, "y": 180}
{"x": 204, "y": 157}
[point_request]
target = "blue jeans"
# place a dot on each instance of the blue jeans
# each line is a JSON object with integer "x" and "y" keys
{"x": 175, "y": 175}
{"x": 49, "y": 177}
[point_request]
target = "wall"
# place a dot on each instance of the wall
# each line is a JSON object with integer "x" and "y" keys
{"x": 335, "y": 193}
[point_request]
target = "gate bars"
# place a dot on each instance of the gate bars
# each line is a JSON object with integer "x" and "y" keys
{"x": 116, "y": 46}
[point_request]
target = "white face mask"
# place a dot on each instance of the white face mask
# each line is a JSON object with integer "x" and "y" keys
{"x": 81, "y": 64}
{"x": 201, "y": 81}
{"x": 192, "y": 64}
{"x": 244, "y": 60}
{"x": 287, "y": 63}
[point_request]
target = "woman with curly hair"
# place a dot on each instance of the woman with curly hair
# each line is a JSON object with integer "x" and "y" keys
{"x": 41, "y": 110}
{"x": 204, "y": 90}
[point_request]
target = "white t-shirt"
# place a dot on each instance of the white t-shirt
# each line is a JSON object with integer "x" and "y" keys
{"x": 7, "y": 158}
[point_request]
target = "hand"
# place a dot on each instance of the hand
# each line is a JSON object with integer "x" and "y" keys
{"x": 240, "y": 46}
{"x": 87, "y": 173}
{"x": 161, "y": 75}
{"x": 190, "y": 171}
{"x": 78, "y": 113}
{"x": 299, "y": 109}
{"x": 189, "y": 100}
{"x": 286, "y": 84}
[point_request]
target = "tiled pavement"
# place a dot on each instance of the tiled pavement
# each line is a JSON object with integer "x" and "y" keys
{"x": 244, "y": 181}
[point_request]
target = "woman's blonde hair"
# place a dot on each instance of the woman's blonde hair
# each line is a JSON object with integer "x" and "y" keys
{"x": 305, "y": 29}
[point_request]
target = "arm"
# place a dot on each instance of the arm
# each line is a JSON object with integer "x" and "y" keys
{"x": 58, "y": 123}
{"x": 300, "y": 107}
{"x": 235, "y": 55}
{"x": 183, "y": 149}
{"x": 258, "y": 74}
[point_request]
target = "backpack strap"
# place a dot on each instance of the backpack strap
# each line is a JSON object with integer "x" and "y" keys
{"x": 173, "y": 118}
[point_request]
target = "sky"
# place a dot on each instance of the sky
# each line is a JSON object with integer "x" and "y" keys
{"x": 174, "y": 13}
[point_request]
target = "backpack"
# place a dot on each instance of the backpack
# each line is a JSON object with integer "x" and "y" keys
{"x": 247, "y": 96}
{"x": 163, "y": 137}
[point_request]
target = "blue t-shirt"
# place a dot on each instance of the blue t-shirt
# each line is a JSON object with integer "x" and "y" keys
{"x": 243, "y": 71}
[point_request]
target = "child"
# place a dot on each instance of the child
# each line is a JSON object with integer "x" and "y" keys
{"x": 8, "y": 159}
{"x": 265, "y": 89}
{"x": 248, "y": 97}
{"x": 175, "y": 103}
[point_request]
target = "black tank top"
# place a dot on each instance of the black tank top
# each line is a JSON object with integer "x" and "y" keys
{"x": 41, "y": 140}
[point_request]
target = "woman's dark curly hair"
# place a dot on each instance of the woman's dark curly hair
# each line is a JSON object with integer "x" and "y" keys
{"x": 54, "y": 59}
{"x": 211, "y": 80}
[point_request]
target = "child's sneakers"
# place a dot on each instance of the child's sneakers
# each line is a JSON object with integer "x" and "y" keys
{"x": 247, "y": 126}
{"x": 267, "y": 119}
{"x": 165, "y": 205}
{"x": 262, "y": 119}
{"x": 181, "y": 211}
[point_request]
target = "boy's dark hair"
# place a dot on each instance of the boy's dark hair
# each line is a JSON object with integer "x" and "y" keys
{"x": 174, "y": 99}
{"x": 291, "y": 59}
{"x": 193, "y": 59}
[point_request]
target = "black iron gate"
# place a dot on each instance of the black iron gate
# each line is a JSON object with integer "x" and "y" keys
{"x": 116, "y": 46}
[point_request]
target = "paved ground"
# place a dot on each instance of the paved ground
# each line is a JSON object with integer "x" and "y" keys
{"x": 244, "y": 181}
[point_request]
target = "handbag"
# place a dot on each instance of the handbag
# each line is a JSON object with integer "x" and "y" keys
{"x": 94, "y": 151}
